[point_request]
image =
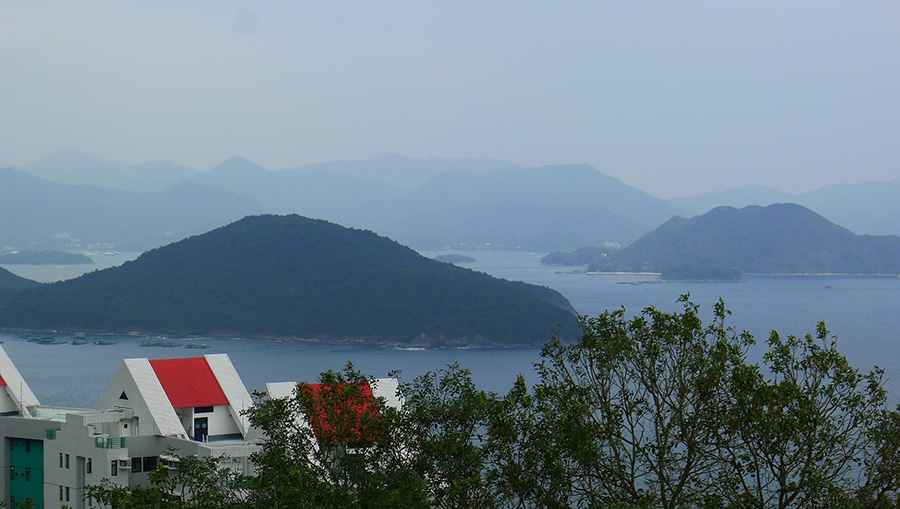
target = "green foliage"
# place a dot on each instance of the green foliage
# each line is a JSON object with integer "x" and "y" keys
{"x": 653, "y": 411}
{"x": 196, "y": 483}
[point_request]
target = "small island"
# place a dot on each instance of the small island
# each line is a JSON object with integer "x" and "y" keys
{"x": 701, "y": 274}
{"x": 44, "y": 258}
{"x": 454, "y": 258}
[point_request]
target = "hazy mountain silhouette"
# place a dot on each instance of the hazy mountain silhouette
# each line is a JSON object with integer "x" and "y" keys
{"x": 530, "y": 208}
{"x": 783, "y": 238}
{"x": 77, "y": 168}
{"x": 40, "y": 214}
{"x": 409, "y": 173}
{"x": 868, "y": 207}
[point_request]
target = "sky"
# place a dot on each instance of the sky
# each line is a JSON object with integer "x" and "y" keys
{"x": 675, "y": 98}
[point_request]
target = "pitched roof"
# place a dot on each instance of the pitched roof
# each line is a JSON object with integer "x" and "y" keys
{"x": 189, "y": 382}
{"x": 344, "y": 412}
{"x": 16, "y": 386}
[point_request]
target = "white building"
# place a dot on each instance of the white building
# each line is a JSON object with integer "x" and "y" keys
{"x": 192, "y": 405}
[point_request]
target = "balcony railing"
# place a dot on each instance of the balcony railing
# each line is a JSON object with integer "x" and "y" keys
{"x": 109, "y": 443}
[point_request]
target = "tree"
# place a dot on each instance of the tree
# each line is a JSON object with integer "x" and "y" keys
{"x": 808, "y": 427}
{"x": 195, "y": 483}
{"x": 636, "y": 405}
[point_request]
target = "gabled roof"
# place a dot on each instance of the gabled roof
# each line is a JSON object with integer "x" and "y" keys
{"x": 189, "y": 382}
{"x": 15, "y": 385}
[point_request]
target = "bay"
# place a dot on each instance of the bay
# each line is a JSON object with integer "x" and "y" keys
{"x": 863, "y": 313}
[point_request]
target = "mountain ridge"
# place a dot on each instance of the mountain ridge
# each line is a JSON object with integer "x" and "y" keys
{"x": 777, "y": 239}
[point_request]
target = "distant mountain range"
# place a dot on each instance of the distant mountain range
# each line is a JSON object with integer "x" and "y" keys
{"x": 290, "y": 276}
{"x": 430, "y": 203}
{"x": 40, "y": 214}
{"x": 778, "y": 239}
{"x": 461, "y": 203}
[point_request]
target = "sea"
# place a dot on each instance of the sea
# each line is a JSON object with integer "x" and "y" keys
{"x": 862, "y": 313}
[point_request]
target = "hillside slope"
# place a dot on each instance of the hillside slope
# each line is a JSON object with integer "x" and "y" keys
{"x": 782, "y": 238}
{"x": 289, "y": 276}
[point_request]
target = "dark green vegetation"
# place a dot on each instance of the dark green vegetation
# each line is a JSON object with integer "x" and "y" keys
{"x": 700, "y": 273}
{"x": 45, "y": 258}
{"x": 289, "y": 276}
{"x": 655, "y": 411}
{"x": 11, "y": 283}
{"x": 779, "y": 239}
{"x": 454, "y": 258}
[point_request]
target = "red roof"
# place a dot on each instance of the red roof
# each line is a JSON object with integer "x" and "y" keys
{"x": 189, "y": 382}
{"x": 344, "y": 413}
{"x": 2, "y": 382}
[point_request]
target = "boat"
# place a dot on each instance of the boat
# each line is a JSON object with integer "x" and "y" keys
{"x": 161, "y": 344}
{"x": 76, "y": 342}
{"x": 197, "y": 345}
{"x": 103, "y": 343}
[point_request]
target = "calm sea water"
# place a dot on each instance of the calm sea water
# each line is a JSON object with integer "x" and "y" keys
{"x": 862, "y": 312}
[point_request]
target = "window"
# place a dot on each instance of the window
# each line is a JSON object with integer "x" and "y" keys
{"x": 123, "y": 396}
{"x": 12, "y": 473}
{"x": 67, "y": 461}
{"x": 60, "y": 461}
{"x": 203, "y": 409}
{"x": 27, "y": 475}
{"x": 149, "y": 463}
{"x": 60, "y": 492}
{"x": 28, "y": 446}
{"x": 67, "y": 493}
{"x": 89, "y": 465}
{"x": 113, "y": 468}
{"x": 136, "y": 465}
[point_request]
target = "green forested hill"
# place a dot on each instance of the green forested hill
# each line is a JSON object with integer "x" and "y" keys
{"x": 783, "y": 238}
{"x": 289, "y": 276}
{"x": 11, "y": 283}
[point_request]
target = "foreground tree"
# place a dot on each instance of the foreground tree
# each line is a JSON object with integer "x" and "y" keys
{"x": 807, "y": 429}
{"x": 653, "y": 411}
{"x": 636, "y": 405}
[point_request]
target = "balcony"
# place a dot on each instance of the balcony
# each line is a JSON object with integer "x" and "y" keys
{"x": 109, "y": 443}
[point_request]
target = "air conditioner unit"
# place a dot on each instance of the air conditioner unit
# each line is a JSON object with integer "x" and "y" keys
{"x": 124, "y": 462}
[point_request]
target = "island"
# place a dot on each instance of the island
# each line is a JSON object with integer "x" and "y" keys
{"x": 53, "y": 257}
{"x": 454, "y": 258}
{"x": 783, "y": 238}
{"x": 291, "y": 277}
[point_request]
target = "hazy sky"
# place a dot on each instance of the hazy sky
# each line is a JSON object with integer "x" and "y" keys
{"x": 672, "y": 97}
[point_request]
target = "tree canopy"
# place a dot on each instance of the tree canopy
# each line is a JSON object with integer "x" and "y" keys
{"x": 657, "y": 410}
